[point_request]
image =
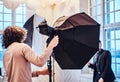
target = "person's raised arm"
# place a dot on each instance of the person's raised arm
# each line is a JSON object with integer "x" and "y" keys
{"x": 42, "y": 59}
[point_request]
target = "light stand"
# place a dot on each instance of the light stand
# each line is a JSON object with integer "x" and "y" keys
{"x": 49, "y": 64}
{"x": 50, "y": 32}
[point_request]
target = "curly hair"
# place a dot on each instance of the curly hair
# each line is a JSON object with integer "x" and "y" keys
{"x": 13, "y": 34}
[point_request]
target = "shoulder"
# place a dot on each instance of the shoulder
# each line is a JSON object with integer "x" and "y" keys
{"x": 107, "y": 52}
{"x": 25, "y": 47}
{"x": 24, "y": 44}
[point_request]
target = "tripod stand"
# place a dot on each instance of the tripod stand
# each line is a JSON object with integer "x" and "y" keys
{"x": 49, "y": 62}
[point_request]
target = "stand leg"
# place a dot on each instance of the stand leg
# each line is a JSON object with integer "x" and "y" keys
{"x": 49, "y": 68}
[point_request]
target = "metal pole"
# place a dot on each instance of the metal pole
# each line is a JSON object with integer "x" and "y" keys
{"x": 49, "y": 68}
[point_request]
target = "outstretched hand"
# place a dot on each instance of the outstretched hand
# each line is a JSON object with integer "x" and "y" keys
{"x": 54, "y": 42}
{"x": 40, "y": 72}
{"x": 101, "y": 80}
{"x": 88, "y": 63}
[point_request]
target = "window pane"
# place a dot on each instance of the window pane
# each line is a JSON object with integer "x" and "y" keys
{"x": 118, "y": 56}
{"x": 111, "y": 17}
{"x": 112, "y": 45}
{"x": 1, "y": 64}
{"x": 111, "y": 6}
{"x": 1, "y": 49}
{"x": 113, "y": 67}
{"x": 117, "y": 4}
{"x": 24, "y": 10}
{"x": 118, "y": 68}
{"x": 117, "y": 44}
{"x": 1, "y": 17}
{"x": 99, "y": 9}
{"x": 1, "y": 8}
{"x": 107, "y": 7}
{"x": 1, "y": 55}
{"x": 117, "y": 16}
{"x": 106, "y": 0}
{"x": 93, "y": 11}
{"x": 112, "y": 34}
{"x": 0, "y": 42}
{"x": 93, "y": 2}
{"x": 98, "y": 1}
{"x": 105, "y": 10}
{"x": 117, "y": 34}
{"x": 7, "y": 10}
{"x": 19, "y": 10}
{"x": 24, "y": 18}
{"x": 19, "y": 24}
{"x": 99, "y": 19}
{"x": 107, "y": 34}
{"x": 6, "y": 24}
{"x": 107, "y": 18}
{"x": 19, "y": 18}
{"x": 1, "y": 25}
{"x": 108, "y": 45}
{"x": 7, "y": 17}
{"x": 113, "y": 56}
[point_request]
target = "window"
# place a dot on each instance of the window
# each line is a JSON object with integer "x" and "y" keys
{"x": 112, "y": 11}
{"x": 112, "y": 30}
{"x": 113, "y": 44}
{"x": 20, "y": 15}
{"x": 1, "y": 52}
{"x": 7, "y": 18}
{"x": 96, "y": 12}
{"x": 108, "y": 16}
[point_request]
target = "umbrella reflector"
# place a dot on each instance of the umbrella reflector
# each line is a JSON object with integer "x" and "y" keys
{"x": 76, "y": 47}
{"x": 79, "y": 41}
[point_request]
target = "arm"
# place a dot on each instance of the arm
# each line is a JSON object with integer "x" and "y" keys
{"x": 101, "y": 80}
{"x": 91, "y": 65}
{"x": 107, "y": 63}
{"x": 40, "y": 72}
{"x": 40, "y": 60}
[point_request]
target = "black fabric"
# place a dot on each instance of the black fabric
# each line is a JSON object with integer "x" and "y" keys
{"x": 104, "y": 67}
{"x": 78, "y": 41}
{"x": 29, "y": 25}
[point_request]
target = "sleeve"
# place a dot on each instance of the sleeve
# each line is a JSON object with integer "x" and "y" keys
{"x": 107, "y": 63}
{"x": 30, "y": 55}
{"x": 92, "y": 66}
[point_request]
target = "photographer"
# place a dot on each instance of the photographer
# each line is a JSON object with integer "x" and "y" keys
{"x": 18, "y": 56}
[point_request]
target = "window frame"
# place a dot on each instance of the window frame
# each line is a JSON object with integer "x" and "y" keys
{"x": 104, "y": 26}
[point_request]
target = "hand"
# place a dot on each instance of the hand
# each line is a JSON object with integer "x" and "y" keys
{"x": 54, "y": 42}
{"x": 40, "y": 72}
{"x": 43, "y": 72}
{"x": 34, "y": 74}
{"x": 88, "y": 63}
{"x": 101, "y": 80}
